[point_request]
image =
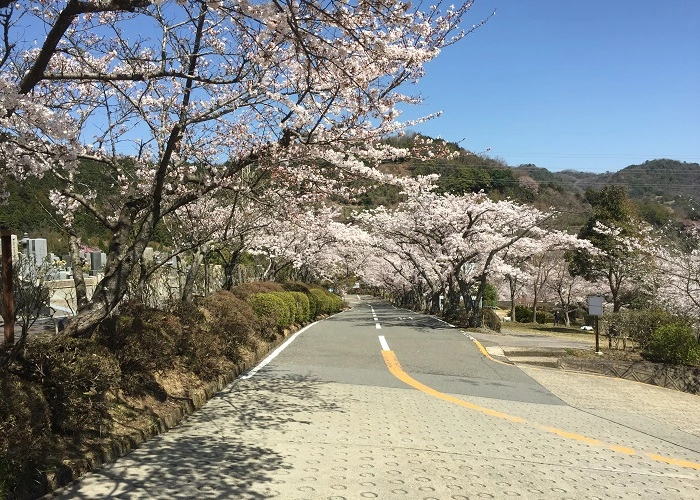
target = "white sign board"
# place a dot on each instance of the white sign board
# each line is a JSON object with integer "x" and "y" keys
{"x": 595, "y": 306}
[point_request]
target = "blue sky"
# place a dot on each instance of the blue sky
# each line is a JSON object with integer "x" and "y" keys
{"x": 590, "y": 85}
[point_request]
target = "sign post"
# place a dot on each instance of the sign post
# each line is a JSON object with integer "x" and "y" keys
{"x": 595, "y": 309}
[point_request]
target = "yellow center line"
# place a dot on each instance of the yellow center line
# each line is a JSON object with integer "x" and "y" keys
{"x": 392, "y": 363}
{"x": 486, "y": 353}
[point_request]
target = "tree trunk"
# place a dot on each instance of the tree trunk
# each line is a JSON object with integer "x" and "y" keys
{"x": 122, "y": 257}
{"x": 76, "y": 265}
{"x": 534, "y": 306}
{"x": 435, "y": 303}
{"x": 140, "y": 291}
{"x": 512, "y": 284}
{"x": 191, "y": 278}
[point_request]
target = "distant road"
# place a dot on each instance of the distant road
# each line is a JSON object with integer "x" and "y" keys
{"x": 378, "y": 402}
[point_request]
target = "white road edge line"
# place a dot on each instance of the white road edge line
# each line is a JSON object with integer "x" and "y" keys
{"x": 382, "y": 341}
{"x": 274, "y": 353}
{"x": 443, "y": 321}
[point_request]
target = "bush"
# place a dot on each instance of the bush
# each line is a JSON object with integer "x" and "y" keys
{"x": 232, "y": 319}
{"x": 314, "y": 303}
{"x": 302, "y": 307}
{"x": 291, "y": 304}
{"x": 143, "y": 340}
{"x": 544, "y": 317}
{"x": 675, "y": 343}
{"x": 637, "y": 325}
{"x": 246, "y": 290}
{"x": 491, "y": 320}
{"x": 205, "y": 353}
{"x": 523, "y": 314}
{"x": 25, "y": 437}
{"x": 641, "y": 325}
{"x": 271, "y": 308}
{"x": 327, "y": 302}
{"x": 76, "y": 376}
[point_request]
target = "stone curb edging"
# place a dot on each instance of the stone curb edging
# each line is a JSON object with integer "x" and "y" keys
{"x": 118, "y": 447}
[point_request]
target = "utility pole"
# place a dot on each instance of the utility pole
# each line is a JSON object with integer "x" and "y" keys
{"x": 8, "y": 296}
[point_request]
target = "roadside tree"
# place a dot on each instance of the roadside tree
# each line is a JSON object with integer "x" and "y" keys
{"x": 622, "y": 248}
{"x": 173, "y": 99}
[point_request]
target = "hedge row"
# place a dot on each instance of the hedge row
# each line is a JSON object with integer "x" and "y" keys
{"x": 299, "y": 304}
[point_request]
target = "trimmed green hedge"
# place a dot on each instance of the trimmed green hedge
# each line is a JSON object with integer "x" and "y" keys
{"x": 291, "y": 304}
{"x": 303, "y": 307}
{"x": 268, "y": 305}
{"x": 328, "y": 303}
{"x": 321, "y": 301}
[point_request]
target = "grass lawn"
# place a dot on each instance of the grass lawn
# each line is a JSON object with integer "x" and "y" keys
{"x": 571, "y": 332}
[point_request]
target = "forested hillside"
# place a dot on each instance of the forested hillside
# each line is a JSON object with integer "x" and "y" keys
{"x": 672, "y": 183}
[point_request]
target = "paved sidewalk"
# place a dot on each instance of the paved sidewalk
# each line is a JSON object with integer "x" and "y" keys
{"x": 620, "y": 400}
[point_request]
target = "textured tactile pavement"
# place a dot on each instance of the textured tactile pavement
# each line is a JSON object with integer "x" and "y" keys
{"x": 292, "y": 437}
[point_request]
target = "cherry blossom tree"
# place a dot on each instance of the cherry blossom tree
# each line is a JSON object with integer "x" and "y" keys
{"x": 570, "y": 290}
{"x": 173, "y": 99}
{"x": 443, "y": 243}
{"x": 679, "y": 289}
{"x": 622, "y": 247}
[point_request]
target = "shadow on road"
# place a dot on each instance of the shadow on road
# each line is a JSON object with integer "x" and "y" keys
{"x": 219, "y": 451}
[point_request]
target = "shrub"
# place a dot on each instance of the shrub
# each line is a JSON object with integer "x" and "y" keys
{"x": 246, "y": 290}
{"x": 491, "y": 320}
{"x": 291, "y": 304}
{"x": 675, "y": 343}
{"x": 637, "y": 325}
{"x": 205, "y": 352}
{"x": 297, "y": 286}
{"x": 544, "y": 317}
{"x": 523, "y": 314}
{"x": 303, "y": 307}
{"x": 232, "y": 319}
{"x": 314, "y": 304}
{"x": 25, "y": 437}
{"x": 142, "y": 340}
{"x": 270, "y": 307}
{"x": 327, "y": 302}
{"x": 76, "y": 376}
{"x": 641, "y": 325}
{"x": 324, "y": 305}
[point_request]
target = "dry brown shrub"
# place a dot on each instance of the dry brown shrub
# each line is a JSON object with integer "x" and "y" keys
{"x": 233, "y": 320}
{"x": 205, "y": 353}
{"x": 143, "y": 340}
{"x": 76, "y": 376}
{"x": 247, "y": 289}
{"x": 25, "y": 436}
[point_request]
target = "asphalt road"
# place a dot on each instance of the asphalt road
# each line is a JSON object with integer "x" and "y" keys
{"x": 378, "y": 402}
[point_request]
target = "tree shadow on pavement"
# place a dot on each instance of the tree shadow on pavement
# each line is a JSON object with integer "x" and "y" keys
{"x": 219, "y": 451}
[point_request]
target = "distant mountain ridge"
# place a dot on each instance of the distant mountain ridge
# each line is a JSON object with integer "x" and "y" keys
{"x": 670, "y": 182}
